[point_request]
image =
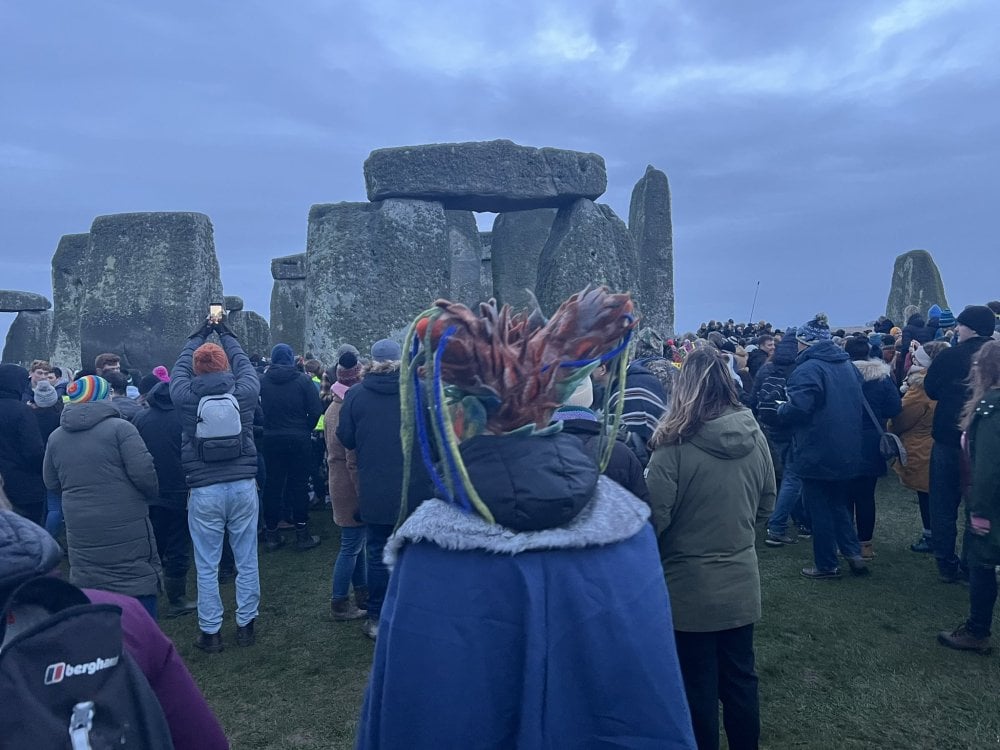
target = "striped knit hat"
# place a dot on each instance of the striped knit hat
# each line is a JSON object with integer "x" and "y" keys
{"x": 88, "y": 388}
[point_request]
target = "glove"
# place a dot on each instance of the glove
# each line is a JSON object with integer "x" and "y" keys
{"x": 223, "y": 330}
{"x": 204, "y": 331}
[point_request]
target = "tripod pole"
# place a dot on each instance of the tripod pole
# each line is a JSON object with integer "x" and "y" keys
{"x": 753, "y": 308}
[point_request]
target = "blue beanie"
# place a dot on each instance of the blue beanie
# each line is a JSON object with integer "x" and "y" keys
{"x": 282, "y": 354}
{"x": 816, "y": 330}
{"x": 947, "y": 319}
{"x": 934, "y": 311}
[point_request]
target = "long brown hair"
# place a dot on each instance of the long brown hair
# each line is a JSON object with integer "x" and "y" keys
{"x": 985, "y": 376}
{"x": 704, "y": 391}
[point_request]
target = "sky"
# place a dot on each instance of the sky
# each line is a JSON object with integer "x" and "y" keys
{"x": 807, "y": 143}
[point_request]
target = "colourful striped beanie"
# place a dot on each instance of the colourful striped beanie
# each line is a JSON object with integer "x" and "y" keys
{"x": 88, "y": 388}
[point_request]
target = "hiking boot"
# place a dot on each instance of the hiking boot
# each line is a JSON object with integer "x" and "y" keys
{"x": 777, "y": 539}
{"x": 361, "y": 597}
{"x": 804, "y": 532}
{"x": 210, "y": 643}
{"x": 303, "y": 540}
{"x": 858, "y": 566}
{"x": 273, "y": 540}
{"x": 867, "y": 551}
{"x": 285, "y": 525}
{"x": 244, "y": 634}
{"x": 952, "y": 571}
{"x": 820, "y": 575}
{"x": 961, "y": 639}
{"x": 341, "y": 610}
{"x": 370, "y": 628}
{"x": 177, "y": 596}
{"x": 923, "y": 545}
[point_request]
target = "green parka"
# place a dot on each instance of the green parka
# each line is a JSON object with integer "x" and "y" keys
{"x": 706, "y": 495}
{"x": 984, "y": 494}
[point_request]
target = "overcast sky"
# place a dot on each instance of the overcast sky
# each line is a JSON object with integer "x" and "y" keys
{"x": 807, "y": 143}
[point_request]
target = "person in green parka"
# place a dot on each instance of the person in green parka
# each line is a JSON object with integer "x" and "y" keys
{"x": 710, "y": 479}
{"x": 981, "y": 441}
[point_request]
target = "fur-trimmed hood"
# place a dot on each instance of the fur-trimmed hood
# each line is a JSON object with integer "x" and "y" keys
{"x": 613, "y": 515}
{"x": 873, "y": 369}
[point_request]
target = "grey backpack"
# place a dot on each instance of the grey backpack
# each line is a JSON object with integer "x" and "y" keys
{"x": 219, "y": 429}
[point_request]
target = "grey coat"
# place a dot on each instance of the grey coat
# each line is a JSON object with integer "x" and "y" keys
{"x": 106, "y": 476}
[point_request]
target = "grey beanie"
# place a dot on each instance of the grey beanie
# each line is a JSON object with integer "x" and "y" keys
{"x": 45, "y": 394}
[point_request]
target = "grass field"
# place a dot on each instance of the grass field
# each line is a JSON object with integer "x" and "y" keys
{"x": 843, "y": 664}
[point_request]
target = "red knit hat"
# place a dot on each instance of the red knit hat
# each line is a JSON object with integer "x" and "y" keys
{"x": 209, "y": 358}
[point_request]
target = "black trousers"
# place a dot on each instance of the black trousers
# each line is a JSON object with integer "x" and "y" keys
{"x": 288, "y": 461}
{"x": 862, "y": 498}
{"x": 173, "y": 539}
{"x": 717, "y": 667}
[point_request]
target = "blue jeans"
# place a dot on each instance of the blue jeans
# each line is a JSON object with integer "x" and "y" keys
{"x": 982, "y": 598}
{"x": 789, "y": 497}
{"x": 945, "y": 499}
{"x": 828, "y": 504}
{"x": 149, "y": 603}
{"x": 378, "y": 574}
{"x": 212, "y": 511}
{"x": 53, "y": 513}
{"x": 350, "y": 566}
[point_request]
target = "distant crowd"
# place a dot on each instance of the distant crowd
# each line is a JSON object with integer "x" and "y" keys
{"x": 578, "y": 495}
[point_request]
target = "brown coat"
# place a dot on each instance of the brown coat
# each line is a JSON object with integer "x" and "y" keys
{"x": 913, "y": 426}
{"x": 343, "y": 470}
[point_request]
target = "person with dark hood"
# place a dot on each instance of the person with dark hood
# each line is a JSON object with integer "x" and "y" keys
{"x": 106, "y": 477}
{"x": 21, "y": 446}
{"x": 824, "y": 411}
{"x": 160, "y": 429}
{"x": 291, "y": 405}
{"x": 528, "y": 564}
{"x": 946, "y": 383}
{"x": 27, "y": 552}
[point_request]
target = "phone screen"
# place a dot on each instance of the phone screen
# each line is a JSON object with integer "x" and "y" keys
{"x": 215, "y": 312}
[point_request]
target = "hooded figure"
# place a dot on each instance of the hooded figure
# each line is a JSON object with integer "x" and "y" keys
{"x": 527, "y": 607}
{"x": 21, "y": 446}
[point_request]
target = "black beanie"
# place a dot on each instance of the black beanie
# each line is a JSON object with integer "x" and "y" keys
{"x": 979, "y": 318}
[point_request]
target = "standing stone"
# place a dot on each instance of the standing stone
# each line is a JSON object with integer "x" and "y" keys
{"x": 69, "y": 265}
{"x": 252, "y": 331}
{"x": 915, "y": 281}
{"x": 373, "y": 267}
{"x": 651, "y": 228}
{"x": 466, "y": 258}
{"x": 486, "y": 267}
{"x": 29, "y": 337}
{"x": 288, "y": 301}
{"x": 485, "y": 176}
{"x": 588, "y": 244}
{"x": 11, "y": 301}
{"x": 150, "y": 280}
{"x": 517, "y": 242}
{"x": 232, "y": 303}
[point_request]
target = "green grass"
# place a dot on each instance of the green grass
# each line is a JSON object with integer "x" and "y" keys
{"x": 843, "y": 664}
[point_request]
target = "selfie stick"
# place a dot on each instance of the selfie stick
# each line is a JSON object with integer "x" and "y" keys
{"x": 754, "y": 307}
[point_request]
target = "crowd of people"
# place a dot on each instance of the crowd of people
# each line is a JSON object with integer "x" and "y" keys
{"x": 517, "y": 498}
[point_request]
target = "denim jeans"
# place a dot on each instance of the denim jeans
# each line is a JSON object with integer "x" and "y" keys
{"x": 789, "y": 495}
{"x": 982, "y": 598}
{"x": 832, "y": 525}
{"x": 718, "y": 667}
{"x": 945, "y": 499}
{"x": 53, "y": 513}
{"x": 212, "y": 511}
{"x": 350, "y": 565}
{"x": 378, "y": 574}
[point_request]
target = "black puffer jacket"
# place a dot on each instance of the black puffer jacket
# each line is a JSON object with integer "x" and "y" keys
{"x": 21, "y": 447}
{"x": 369, "y": 424}
{"x": 946, "y": 383}
{"x": 186, "y": 390}
{"x": 623, "y": 467}
{"x": 290, "y": 401}
{"x": 531, "y": 482}
{"x": 160, "y": 429}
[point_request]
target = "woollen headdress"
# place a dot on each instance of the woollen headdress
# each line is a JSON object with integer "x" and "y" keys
{"x": 88, "y": 388}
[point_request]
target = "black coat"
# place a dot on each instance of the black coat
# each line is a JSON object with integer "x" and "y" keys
{"x": 884, "y": 398}
{"x": 21, "y": 447}
{"x": 160, "y": 429}
{"x": 369, "y": 424}
{"x": 48, "y": 419}
{"x": 946, "y": 383}
{"x": 186, "y": 390}
{"x": 916, "y": 330}
{"x": 623, "y": 467}
{"x": 290, "y": 402}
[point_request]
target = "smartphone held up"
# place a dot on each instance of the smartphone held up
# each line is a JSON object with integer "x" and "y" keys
{"x": 215, "y": 313}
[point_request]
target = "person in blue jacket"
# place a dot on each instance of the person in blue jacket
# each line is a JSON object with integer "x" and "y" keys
{"x": 824, "y": 410}
{"x": 527, "y": 607}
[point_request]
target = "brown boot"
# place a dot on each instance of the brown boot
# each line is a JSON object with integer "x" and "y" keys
{"x": 867, "y": 551}
{"x": 341, "y": 610}
{"x": 361, "y": 597}
{"x": 961, "y": 639}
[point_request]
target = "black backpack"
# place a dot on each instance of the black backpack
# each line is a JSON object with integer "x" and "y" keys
{"x": 66, "y": 681}
{"x": 772, "y": 392}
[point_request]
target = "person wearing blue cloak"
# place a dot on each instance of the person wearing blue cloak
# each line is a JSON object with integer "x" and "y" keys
{"x": 527, "y": 606}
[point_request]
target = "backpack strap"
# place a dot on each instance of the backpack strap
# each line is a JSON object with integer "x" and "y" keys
{"x": 871, "y": 415}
